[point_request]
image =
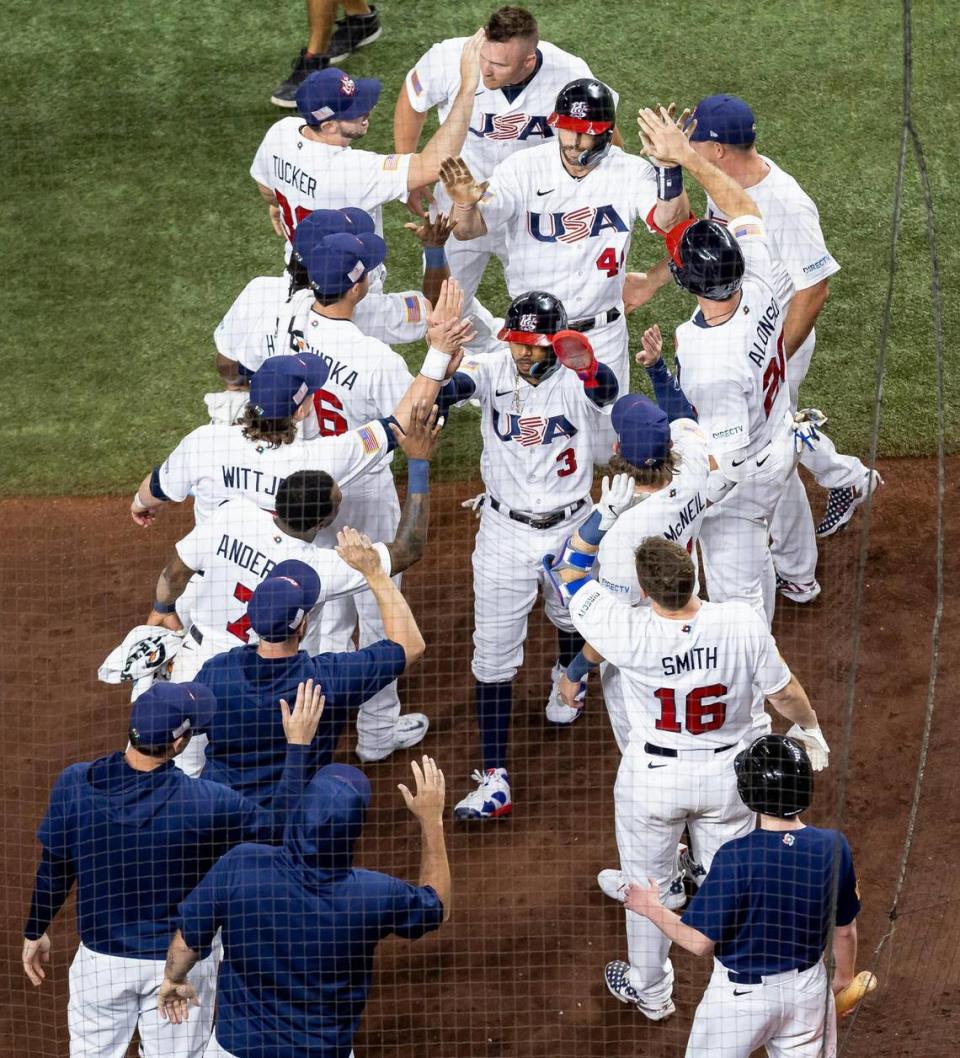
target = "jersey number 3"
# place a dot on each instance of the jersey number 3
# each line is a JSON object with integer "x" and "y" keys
{"x": 700, "y": 715}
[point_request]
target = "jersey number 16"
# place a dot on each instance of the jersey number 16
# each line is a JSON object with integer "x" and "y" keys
{"x": 700, "y": 714}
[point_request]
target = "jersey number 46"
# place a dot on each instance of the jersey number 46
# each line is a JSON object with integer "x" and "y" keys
{"x": 704, "y": 709}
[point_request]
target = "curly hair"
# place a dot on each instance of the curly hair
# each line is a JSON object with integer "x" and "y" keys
{"x": 657, "y": 476}
{"x": 271, "y": 432}
{"x": 666, "y": 572}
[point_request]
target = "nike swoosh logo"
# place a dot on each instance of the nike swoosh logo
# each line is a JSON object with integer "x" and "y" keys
{"x": 760, "y": 462}
{"x": 503, "y": 392}
{"x": 746, "y": 993}
{"x": 738, "y": 462}
{"x": 656, "y": 765}
{"x": 550, "y": 192}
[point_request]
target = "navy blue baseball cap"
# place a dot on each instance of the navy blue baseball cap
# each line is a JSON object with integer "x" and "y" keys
{"x": 283, "y": 383}
{"x": 643, "y": 430}
{"x": 281, "y": 601}
{"x": 166, "y": 711}
{"x": 332, "y": 95}
{"x": 316, "y": 226}
{"x": 725, "y": 119}
{"x": 361, "y": 223}
{"x": 335, "y": 263}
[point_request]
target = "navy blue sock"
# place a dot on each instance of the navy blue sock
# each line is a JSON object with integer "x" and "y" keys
{"x": 494, "y": 705}
{"x": 570, "y": 644}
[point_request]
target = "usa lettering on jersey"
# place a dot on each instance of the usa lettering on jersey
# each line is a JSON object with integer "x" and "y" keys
{"x": 528, "y": 430}
{"x": 512, "y": 127}
{"x": 585, "y": 223}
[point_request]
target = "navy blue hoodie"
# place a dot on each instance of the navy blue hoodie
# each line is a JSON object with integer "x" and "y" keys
{"x": 300, "y": 927}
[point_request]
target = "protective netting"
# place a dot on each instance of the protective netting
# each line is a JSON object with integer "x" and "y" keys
{"x": 523, "y": 966}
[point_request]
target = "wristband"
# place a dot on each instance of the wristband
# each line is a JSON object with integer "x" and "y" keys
{"x": 138, "y": 503}
{"x": 164, "y": 607}
{"x": 669, "y": 182}
{"x": 434, "y": 257}
{"x": 418, "y": 476}
{"x": 580, "y": 667}
{"x": 465, "y": 209}
{"x": 435, "y": 364}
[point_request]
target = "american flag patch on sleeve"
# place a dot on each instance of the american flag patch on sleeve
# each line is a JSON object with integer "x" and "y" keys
{"x": 368, "y": 438}
{"x": 743, "y": 230}
{"x": 412, "y": 305}
{"x": 391, "y": 163}
{"x": 415, "y": 82}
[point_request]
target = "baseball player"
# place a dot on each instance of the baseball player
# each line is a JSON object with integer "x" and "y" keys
{"x": 308, "y": 162}
{"x": 301, "y": 924}
{"x": 245, "y": 748}
{"x": 566, "y": 212}
{"x": 802, "y": 266}
{"x": 136, "y": 835}
{"x": 241, "y": 544}
{"x": 764, "y": 913}
{"x": 520, "y": 78}
{"x": 538, "y": 418}
{"x": 731, "y": 364}
{"x": 693, "y": 676}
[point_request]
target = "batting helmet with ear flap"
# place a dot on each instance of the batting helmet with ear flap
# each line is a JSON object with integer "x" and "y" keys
{"x": 587, "y": 105}
{"x": 705, "y": 259}
{"x": 533, "y": 319}
{"x": 774, "y": 776}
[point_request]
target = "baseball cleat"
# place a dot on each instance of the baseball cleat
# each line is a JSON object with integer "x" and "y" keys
{"x": 613, "y": 883}
{"x": 690, "y": 868}
{"x": 841, "y": 504}
{"x": 617, "y": 977}
{"x": 352, "y": 32}
{"x": 285, "y": 95}
{"x": 557, "y": 711}
{"x": 799, "y": 593}
{"x": 490, "y": 800}
{"x": 407, "y": 732}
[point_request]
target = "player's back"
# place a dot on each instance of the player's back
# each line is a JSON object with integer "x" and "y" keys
{"x": 248, "y": 331}
{"x": 675, "y": 512}
{"x": 691, "y": 684}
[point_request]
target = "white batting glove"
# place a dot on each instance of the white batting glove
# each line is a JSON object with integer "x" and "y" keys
{"x": 807, "y": 424}
{"x": 474, "y": 504}
{"x": 814, "y": 743}
{"x": 616, "y": 496}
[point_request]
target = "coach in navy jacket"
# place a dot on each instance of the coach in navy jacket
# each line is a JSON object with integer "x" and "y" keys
{"x": 136, "y": 835}
{"x": 301, "y": 924}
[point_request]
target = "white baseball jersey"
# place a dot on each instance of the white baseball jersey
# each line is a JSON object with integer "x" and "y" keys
{"x": 735, "y": 374}
{"x": 537, "y": 439}
{"x": 569, "y": 236}
{"x": 235, "y": 549}
{"x": 674, "y": 511}
{"x": 306, "y": 175}
{"x": 800, "y": 255}
{"x": 686, "y": 685}
{"x": 248, "y": 332}
{"x": 498, "y": 126}
{"x": 217, "y": 463}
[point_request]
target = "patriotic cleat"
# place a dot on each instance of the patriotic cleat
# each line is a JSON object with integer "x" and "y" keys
{"x": 841, "y": 504}
{"x": 692, "y": 870}
{"x": 490, "y": 800}
{"x": 799, "y": 593}
{"x": 617, "y": 977}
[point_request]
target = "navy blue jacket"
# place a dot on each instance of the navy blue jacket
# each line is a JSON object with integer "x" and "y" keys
{"x": 300, "y": 927}
{"x": 247, "y": 745}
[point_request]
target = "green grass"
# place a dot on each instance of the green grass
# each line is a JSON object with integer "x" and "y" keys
{"x": 130, "y": 221}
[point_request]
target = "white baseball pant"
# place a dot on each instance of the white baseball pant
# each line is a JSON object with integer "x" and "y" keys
{"x": 111, "y": 996}
{"x": 793, "y": 541}
{"x": 188, "y": 662}
{"x": 655, "y": 798}
{"x": 372, "y": 507}
{"x": 788, "y": 1014}
{"x": 507, "y": 574}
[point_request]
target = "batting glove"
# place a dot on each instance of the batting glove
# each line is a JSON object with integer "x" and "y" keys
{"x": 814, "y": 743}
{"x": 616, "y": 496}
{"x": 806, "y": 426}
{"x": 474, "y": 504}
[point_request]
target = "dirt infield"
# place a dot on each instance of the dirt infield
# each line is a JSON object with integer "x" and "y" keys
{"x": 518, "y": 970}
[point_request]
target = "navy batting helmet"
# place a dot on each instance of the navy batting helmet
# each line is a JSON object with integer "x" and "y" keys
{"x": 533, "y": 319}
{"x": 774, "y": 776}
{"x": 587, "y": 105}
{"x": 705, "y": 259}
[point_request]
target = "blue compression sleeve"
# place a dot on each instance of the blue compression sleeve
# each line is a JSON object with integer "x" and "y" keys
{"x": 606, "y": 390}
{"x": 579, "y": 667}
{"x": 460, "y": 387}
{"x": 155, "y": 490}
{"x": 670, "y": 396}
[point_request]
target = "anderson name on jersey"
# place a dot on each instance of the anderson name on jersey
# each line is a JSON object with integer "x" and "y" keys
{"x": 674, "y": 511}
{"x": 235, "y": 549}
{"x": 735, "y": 373}
{"x": 565, "y": 235}
{"x": 536, "y": 438}
{"x": 685, "y": 685}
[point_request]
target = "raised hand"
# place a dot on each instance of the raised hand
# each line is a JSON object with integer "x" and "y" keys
{"x": 652, "y": 343}
{"x": 664, "y": 140}
{"x": 470, "y": 61}
{"x": 423, "y": 432}
{"x": 459, "y": 182}
{"x": 433, "y": 232}
{"x": 301, "y": 724}
{"x": 358, "y": 552}
{"x": 419, "y": 201}
{"x": 427, "y": 803}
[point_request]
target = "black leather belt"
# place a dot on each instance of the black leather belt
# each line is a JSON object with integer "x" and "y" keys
{"x": 660, "y": 751}
{"x": 595, "y": 321}
{"x": 195, "y": 634}
{"x": 546, "y": 521}
{"x": 757, "y": 979}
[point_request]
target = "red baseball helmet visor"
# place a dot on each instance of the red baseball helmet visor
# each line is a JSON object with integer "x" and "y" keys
{"x": 591, "y": 128}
